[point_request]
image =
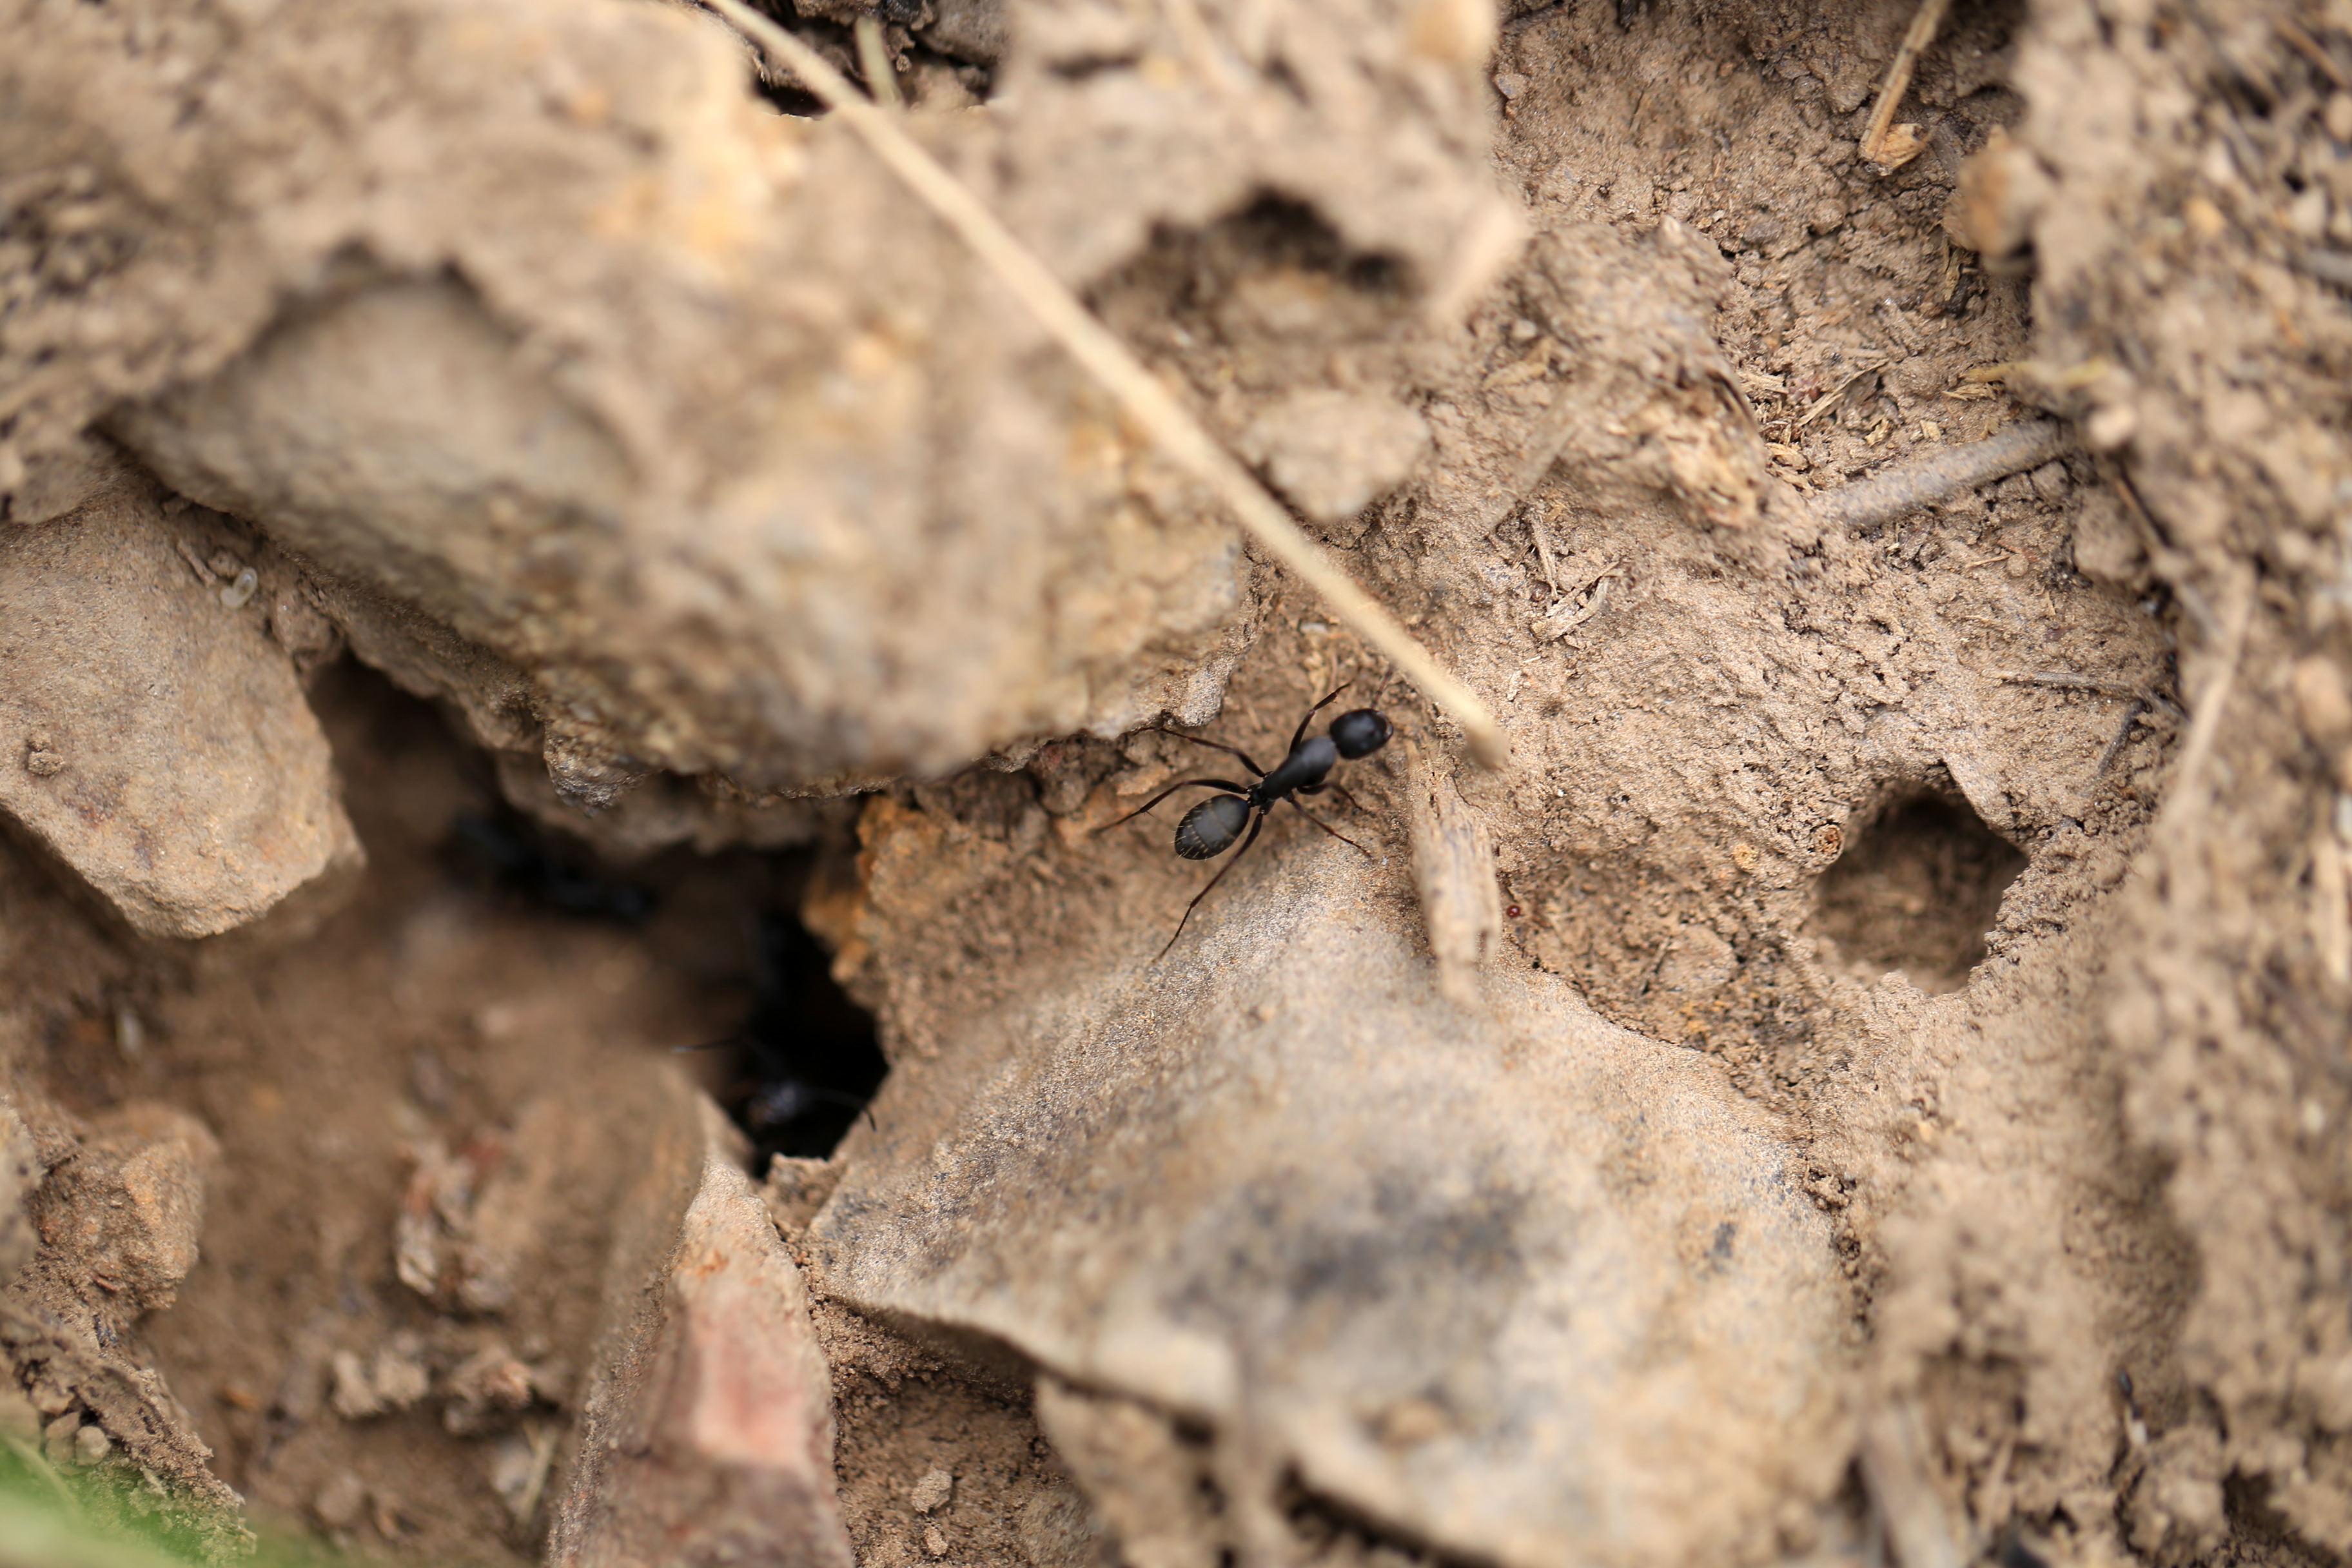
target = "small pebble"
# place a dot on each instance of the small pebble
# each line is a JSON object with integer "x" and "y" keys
{"x": 2111, "y": 429}
{"x": 932, "y": 1491}
{"x": 90, "y": 1445}
{"x": 50, "y": 1397}
{"x": 341, "y": 1501}
{"x": 934, "y": 1542}
{"x": 2337, "y": 117}
{"x": 2049, "y": 481}
{"x": 1510, "y": 84}
{"x": 352, "y": 1393}
{"x": 2323, "y": 699}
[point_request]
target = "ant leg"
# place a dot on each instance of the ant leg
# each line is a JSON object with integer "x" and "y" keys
{"x": 1220, "y": 746}
{"x": 1328, "y": 828}
{"x": 1336, "y": 787}
{"x": 1171, "y": 789}
{"x": 1300, "y": 733}
{"x": 1342, "y": 791}
{"x": 1255, "y": 822}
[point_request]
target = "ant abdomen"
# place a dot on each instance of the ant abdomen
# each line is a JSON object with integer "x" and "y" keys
{"x": 1210, "y": 828}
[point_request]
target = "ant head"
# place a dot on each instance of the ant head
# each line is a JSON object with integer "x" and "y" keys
{"x": 1359, "y": 732}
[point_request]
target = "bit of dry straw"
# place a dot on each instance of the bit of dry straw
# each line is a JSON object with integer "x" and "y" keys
{"x": 1884, "y": 142}
{"x": 1147, "y": 401}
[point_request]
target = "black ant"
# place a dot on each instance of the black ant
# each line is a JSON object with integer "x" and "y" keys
{"x": 1210, "y": 828}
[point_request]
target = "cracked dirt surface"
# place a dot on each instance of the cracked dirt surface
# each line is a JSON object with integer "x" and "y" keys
{"x": 1985, "y": 866}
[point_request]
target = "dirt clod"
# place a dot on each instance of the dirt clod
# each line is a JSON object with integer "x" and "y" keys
{"x": 167, "y": 753}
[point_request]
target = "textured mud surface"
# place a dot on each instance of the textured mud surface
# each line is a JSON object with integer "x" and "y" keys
{"x": 1867, "y": 1079}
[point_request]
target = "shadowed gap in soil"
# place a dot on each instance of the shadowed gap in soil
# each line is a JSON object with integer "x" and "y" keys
{"x": 1916, "y": 889}
{"x": 801, "y": 1067}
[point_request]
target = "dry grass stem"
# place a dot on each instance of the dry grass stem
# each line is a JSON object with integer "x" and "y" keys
{"x": 2210, "y": 702}
{"x": 1896, "y": 1474}
{"x": 1823, "y": 403}
{"x": 1886, "y": 144}
{"x": 874, "y": 59}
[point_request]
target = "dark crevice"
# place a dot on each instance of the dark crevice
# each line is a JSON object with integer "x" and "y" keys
{"x": 907, "y": 35}
{"x": 799, "y": 1069}
{"x": 806, "y": 1060}
{"x": 1919, "y": 884}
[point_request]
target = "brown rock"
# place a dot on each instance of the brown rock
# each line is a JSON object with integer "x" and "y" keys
{"x": 118, "y": 1218}
{"x": 153, "y": 737}
{"x": 1457, "y": 1269}
{"x": 708, "y": 1432}
{"x": 1332, "y": 453}
{"x": 129, "y": 1206}
{"x": 490, "y": 1384}
{"x": 2003, "y": 190}
{"x": 1145, "y": 1482}
{"x": 341, "y": 1501}
{"x": 447, "y": 426}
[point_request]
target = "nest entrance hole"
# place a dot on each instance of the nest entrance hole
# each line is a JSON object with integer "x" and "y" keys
{"x": 797, "y": 1060}
{"x": 1919, "y": 884}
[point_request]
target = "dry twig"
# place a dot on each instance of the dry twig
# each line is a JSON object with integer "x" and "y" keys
{"x": 2211, "y": 702}
{"x": 1942, "y": 474}
{"x": 1886, "y": 144}
{"x": 1554, "y": 624}
{"x": 2308, "y": 47}
{"x": 1180, "y": 435}
{"x": 2061, "y": 680}
{"x": 2123, "y": 737}
{"x": 1543, "y": 546}
{"x": 1895, "y": 1473}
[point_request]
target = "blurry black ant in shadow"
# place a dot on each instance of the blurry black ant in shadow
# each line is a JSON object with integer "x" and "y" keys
{"x": 511, "y": 855}
{"x": 809, "y": 1061}
{"x": 1210, "y": 828}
